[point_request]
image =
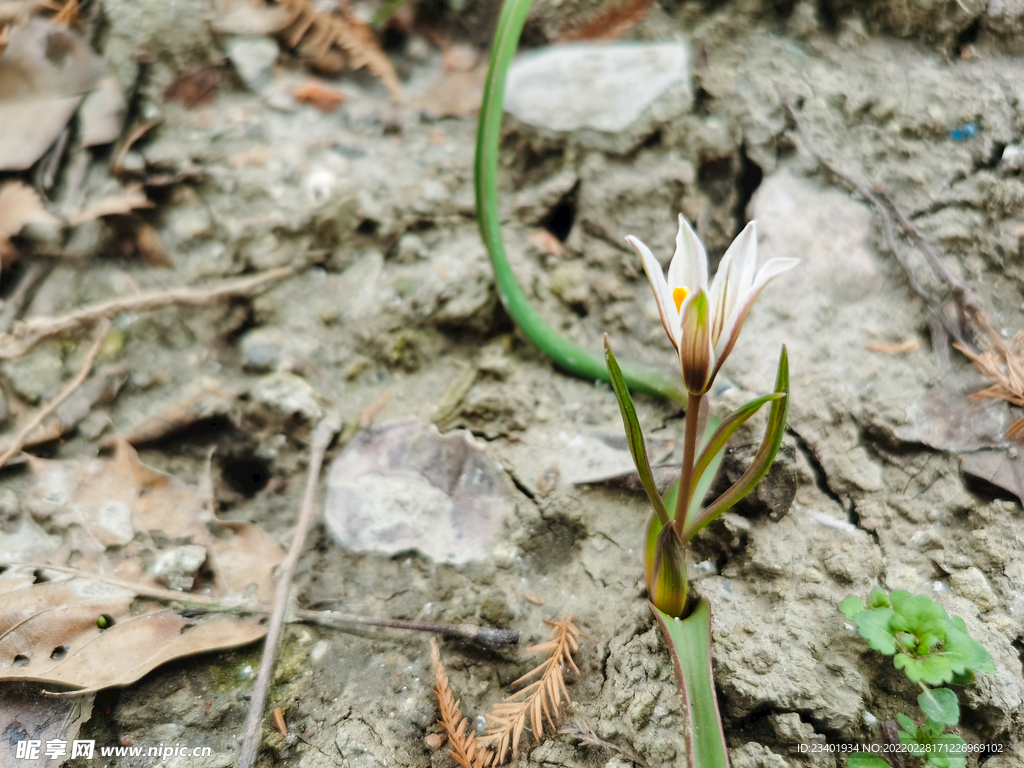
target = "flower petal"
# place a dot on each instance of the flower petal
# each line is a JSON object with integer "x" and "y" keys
{"x": 662, "y": 293}
{"x": 696, "y": 353}
{"x": 734, "y": 323}
{"x": 689, "y": 265}
{"x": 730, "y": 279}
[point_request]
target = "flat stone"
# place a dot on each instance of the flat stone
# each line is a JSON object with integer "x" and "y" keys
{"x": 403, "y": 486}
{"x": 609, "y": 96}
{"x": 253, "y": 57}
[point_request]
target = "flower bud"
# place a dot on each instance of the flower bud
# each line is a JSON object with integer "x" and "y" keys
{"x": 665, "y": 569}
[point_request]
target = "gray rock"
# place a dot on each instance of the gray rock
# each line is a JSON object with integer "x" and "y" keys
{"x": 608, "y": 96}
{"x": 972, "y": 584}
{"x": 253, "y": 57}
{"x": 403, "y": 486}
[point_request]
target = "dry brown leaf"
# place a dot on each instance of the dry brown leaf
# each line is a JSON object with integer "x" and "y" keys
{"x": 121, "y": 204}
{"x": 19, "y": 205}
{"x": 44, "y": 73}
{"x": 892, "y": 347}
{"x": 130, "y": 524}
{"x": 97, "y": 391}
{"x": 278, "y": 718}
{"x": 210, "y": 402}
{"x": 611, "y": 23}
{"x": 147, "y": 243}
{"x": 323, "y": 97}
{"x": 250, "y": 18}
{"x": 456, "y": 93}
{"x": 195, "y": 89}
{"x": 334, "y": 43}
{"x": 546, "y": 241}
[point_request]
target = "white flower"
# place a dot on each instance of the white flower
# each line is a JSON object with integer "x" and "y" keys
{"x": 703, "y": 323}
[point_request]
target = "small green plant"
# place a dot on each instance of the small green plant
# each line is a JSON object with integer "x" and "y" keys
{"x": 932, "y": 649}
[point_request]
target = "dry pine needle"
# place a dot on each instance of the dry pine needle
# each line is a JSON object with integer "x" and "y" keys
{"x": 539, "y": 702}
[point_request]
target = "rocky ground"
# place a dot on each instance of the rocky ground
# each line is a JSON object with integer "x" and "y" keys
{"x": 920, "y": 99}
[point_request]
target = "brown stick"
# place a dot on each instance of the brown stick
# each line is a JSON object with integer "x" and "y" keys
{"x": 19, "y": 441}
{"x": 200, "y": 603}
{"x": 322, "y": 436}
{"x": 27, "y": 335}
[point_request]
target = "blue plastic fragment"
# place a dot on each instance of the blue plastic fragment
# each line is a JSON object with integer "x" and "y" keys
{"x": 964, "y": 132}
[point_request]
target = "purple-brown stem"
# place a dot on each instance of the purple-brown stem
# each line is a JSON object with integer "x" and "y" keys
{"x": 689, "y": 454}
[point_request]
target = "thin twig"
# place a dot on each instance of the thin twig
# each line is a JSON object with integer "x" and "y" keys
{"x": 26, "y": 335}
{"x": 322, "y": 436}
{"x": 50, "y": 407}
{"x": 36, "y": 272}
{"x": 889, "y": 213}
{"x": 197, "y": 603}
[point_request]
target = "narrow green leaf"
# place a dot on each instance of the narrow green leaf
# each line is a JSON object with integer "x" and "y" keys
{"x": 689, "y": 641}
{"x": 715, "y": 445}
{"x": 634, "y": 437}
{"x": 940, "y": 705}
{"x": 568, "y": 356}
{"x": 766, "y": 454}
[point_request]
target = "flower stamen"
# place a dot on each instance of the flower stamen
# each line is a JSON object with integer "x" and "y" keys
{"x": 679, "y": 296}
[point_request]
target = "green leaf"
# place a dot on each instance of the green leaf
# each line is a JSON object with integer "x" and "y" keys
{"x": 964, "y": 654}
{"x": 940, "y": 705}
{"x": 689, "y": 642}
{"x": 667, "y": 583}
{"x": 930, "y": 670}
{"x": 878, "y": 598}
{"x": 762, "y": 462}
{"x": 873, "y": 626}
{"x": 700, "y": 488}
{"x": 715, "y": 446}
{"x": 634, "y": 437}
{"x": 851, "y": 606}
{"x": 865, "y": 760}
{"x": 567, "y": 355}
{"x": 907, "y": 725}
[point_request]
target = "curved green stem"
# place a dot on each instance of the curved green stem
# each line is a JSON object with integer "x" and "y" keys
{"x": 568, "y": 356}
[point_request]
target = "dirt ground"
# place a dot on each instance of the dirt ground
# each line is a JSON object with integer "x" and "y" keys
{"x": 874, "y": 485}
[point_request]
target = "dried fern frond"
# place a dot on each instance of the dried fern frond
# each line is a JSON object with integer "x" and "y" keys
{"x": 463, "y": 750}
{"x": 541, "y": 700}
{"x": 1002, "y": 363}
{"x": 333, "y": 42}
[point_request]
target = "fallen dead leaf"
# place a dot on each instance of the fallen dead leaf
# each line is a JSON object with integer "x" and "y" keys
{"x": 102, "y": 113}
{"x": 25, "y": 715}
{"x": 243, "y": 17}
{"x": 195, "y": 89}
{"x": 135, "y": 529}
{"x": 323, "y": 97}
{"x": 546, "y": 241}
{"x": 278, "y": 717}
{"x": 453, "y": 94}
{"x": 150, "y": 247}
{"x": 99, "y": 390}
{"x": 123, "y": 203}
{"x": 611, "y": 23}
{"x": 45, "y": 71}
{"x": 892, "y": 347}
{"x": 19, "y": 205}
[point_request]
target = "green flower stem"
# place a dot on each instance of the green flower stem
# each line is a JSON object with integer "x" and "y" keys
{"x": 568, "y": 356}
{"x": 689, "y": 455}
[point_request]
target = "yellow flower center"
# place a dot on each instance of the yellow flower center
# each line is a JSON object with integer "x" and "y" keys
{"x": 678, "y": 296}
